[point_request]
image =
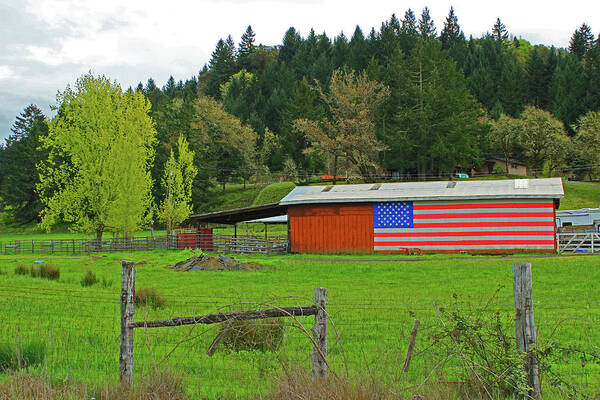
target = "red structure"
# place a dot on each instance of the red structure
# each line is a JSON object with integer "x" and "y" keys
{"x": 415, "y": 217}
{"x": 190, "y": 238}
{"x": 337, "y": 228}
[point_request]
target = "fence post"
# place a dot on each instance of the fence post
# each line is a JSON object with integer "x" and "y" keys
{"x": 411, "y": 345}
{"x": 524, "y": 325}
{"x": 127, "y": 314}
{"x": 319, "y": 353}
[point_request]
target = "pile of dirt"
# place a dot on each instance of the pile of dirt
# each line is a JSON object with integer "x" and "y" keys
{"x": 214, "y": 263}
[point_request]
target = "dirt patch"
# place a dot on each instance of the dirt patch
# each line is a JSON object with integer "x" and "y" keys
{"x": 214, "y": 263}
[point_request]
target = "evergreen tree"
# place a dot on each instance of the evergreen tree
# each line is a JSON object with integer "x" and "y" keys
{"x": 591, "y": 65}
{"x": 538, "y": 79}
{"x": 408, "y": 32}
{"x": 291, "y": 44}
{"x": 451, "y": 34}
{"x": 222, "y": 65}
{"x": 359, "y": 51}
{"x": 437, "y": 122}
{"x": 170, "y": 87}
{"x": 499, "y": 31}
{"x": 245, "y": 48}
{"x": 568, "y": 90}
{"x": 426, "y": 25}
{"x": 581, "y": 41}
{"x": 394, "y": 24}
{"x": 340, "y": 51}
{"x": 18, "y": 159}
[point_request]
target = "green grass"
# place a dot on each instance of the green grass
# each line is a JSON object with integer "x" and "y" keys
{"x": 274, "y": 192}
{"x": 580, "y": 196}
{"x": 372, "y": 304}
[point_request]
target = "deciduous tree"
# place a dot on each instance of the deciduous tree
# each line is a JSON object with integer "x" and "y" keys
{"x": 349, "y": 131}
{"x": 107, "y": 138}
{"x": 178, "y": 178}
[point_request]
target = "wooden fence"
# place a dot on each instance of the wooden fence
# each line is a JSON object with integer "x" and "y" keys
{"x": 206, "y": 242}
{"x": 578, "y": 242}
{"x": 318, "y": 356}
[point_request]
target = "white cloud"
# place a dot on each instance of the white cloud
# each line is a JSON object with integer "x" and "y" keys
{"x": 46, "y": 44}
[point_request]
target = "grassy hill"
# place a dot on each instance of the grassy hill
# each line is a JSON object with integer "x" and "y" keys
{"x": 580, "y": 195}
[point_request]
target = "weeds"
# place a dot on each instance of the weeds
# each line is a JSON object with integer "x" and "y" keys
{"x": 15, "y": 357}
{"x": 21, "y": 270}
{"x": 157, "y": 386}
{"x": 49, "y": 272}
{"x": 106, "y": 283}
{"x": 150, "y": 297}
{"x": 89, "y": 279}
{"x": 44, "y": 271}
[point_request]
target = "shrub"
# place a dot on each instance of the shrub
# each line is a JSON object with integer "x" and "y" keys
{"x": 49, "y": 272}
{"x": 258, "y": 334}
{"x": 150, "y": 297}
{"x": 35, "y": 272}
{"x": 21, "y": 270}
{"x": 23, "y": 356}
{"x": 89, "y": 279}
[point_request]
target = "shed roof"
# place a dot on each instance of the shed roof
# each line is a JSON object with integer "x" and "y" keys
{"x": 442, "y": 190}
{"x": 237, "y": 215}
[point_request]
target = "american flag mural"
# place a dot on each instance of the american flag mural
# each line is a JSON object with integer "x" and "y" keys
{"x": 526, "y": 224}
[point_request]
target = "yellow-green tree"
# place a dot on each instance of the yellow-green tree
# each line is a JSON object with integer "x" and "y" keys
{"x": 101, "y": 147}
{"x": 504, "y": 135}
{"x": 349, "y": 132}
{"x": 587, "y": 142}
{"x": 178, "y": 179}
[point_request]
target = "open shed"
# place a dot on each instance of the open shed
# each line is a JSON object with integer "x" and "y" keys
{"x": 477, "y": 215}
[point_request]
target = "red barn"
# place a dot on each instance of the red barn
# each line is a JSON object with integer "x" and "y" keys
{"x": 477, "y": 215}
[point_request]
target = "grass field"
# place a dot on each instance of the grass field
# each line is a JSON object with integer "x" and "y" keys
{"x": 372, "y": 304}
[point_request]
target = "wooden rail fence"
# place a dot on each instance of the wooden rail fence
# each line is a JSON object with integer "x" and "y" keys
{"x": 210, "y": 243}
{"x": 318, "y": 356}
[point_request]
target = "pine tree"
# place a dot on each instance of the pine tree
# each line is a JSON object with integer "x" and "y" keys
{"x": 289, "y": 47}
{"x": 170, "y": 87}
{"x": 408, "y": 32}
{"x": 18, "y": 159}
{"x": 245, "y": 48}
{"x": 451, "y": 34}
{"x": 538, "y": 79}
{"x": 499, "y": 31}
{"x": 394, "y": 24}
{"x": 426, "y": 25}
{"x": 567, "y": 90}
{"x": 581, "y": 41}
{"x": 222, "y": 65}
{"x": 359, "y": 51}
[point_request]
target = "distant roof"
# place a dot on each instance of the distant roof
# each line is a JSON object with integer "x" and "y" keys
{"x": 443, "y": 190}
{"x": 280, "y": 219}
{"x": 237, "y": 215}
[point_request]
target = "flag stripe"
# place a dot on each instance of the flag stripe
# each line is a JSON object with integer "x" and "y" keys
{"x": 548, "y": 229}
{"x": 492, "y": 223}
{"x": 484, "y": 215}
{"x": 473, "y": 247}
{"x": 457, "y": 234}
{"x": 462, "y": 242}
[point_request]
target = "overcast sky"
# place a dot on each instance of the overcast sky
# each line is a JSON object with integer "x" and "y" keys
{"x": 47, "y": 44}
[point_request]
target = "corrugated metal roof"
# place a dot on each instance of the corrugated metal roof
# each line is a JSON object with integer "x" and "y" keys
{"x": 413, "y": 191}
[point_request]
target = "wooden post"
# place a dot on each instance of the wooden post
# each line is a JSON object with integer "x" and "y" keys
{"x": 524, "y": 325}
{"x": 127, "y": 314}
{"x": 411, "y": 345}
{"x": 319, "y": 353}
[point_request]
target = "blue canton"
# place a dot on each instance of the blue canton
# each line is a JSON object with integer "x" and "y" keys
{"x": 393, "y": 214}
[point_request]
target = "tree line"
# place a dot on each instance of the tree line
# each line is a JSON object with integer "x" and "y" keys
{"x": 402, "y": 99}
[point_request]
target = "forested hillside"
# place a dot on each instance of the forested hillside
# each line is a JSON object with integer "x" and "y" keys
{"x": 403, "y": 100}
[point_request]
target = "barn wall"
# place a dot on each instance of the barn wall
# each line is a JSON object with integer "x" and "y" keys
{"x": 331, "y": 228}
